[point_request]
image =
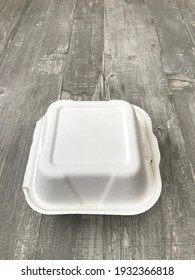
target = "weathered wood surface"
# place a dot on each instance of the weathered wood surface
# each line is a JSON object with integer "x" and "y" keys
{"x": 139, "y": 51}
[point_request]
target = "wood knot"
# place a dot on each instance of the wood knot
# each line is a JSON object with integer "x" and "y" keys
{"x": 132, "y": 57}
{"x": 2, "y": 90}
{"x": 179, "y": 82}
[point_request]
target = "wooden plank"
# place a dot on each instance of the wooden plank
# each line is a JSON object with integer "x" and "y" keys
{"x": 82, "y": 74}
{"x": 178, "y": 59}
{"x": 135, "y": 72}
{"x": 70, "y": 237}
{"x": 173, "y": 33}
{"x": 177, "y": 38}
{"x": 42, "y": 38}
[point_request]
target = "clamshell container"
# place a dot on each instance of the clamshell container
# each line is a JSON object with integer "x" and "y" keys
{"x": 95, "y": 157}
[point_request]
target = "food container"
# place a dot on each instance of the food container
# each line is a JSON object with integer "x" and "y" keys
{"x": 94, "y": 157}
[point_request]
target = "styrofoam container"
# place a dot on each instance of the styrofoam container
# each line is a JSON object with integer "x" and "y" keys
{"x": 96, "y": 157}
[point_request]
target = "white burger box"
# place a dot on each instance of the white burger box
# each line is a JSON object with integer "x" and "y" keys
{"x": 93, "y": 157}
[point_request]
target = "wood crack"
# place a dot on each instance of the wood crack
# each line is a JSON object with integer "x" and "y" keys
{"x": 71, "y": 28}
{"x": 175, "y": 82}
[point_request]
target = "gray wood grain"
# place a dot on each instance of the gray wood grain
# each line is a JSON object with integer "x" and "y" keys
{"x": 38, "y": 47}
{"x": 11, "y": 13}
{"x": 135, "y": 50}
{"x": 135, "y": 73}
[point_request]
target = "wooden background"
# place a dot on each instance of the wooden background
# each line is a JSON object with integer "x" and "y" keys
{"x": 139, "y": 51}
